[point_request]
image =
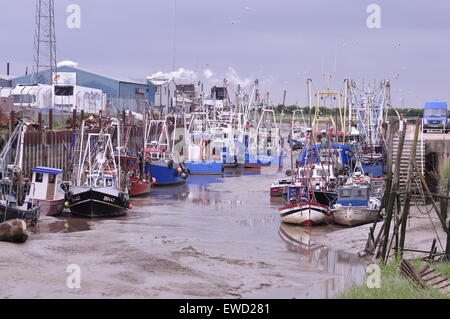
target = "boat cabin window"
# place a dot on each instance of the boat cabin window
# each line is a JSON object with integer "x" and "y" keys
{"x": 52, "y": 179}
{"x": 361, "y": 193}
{"x": 39, "y": 178}
{"x": 345, "y": 193}
{"x": 109, "y": 182}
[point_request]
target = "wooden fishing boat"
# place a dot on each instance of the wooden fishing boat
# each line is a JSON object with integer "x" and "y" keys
{"x": 202, "y": 157}
{"x": 355, "y": 206}
{"x": 279, "y": 187}
{"x": 165, "y": 168}
{"x": 14, "y": 188}
{"x": 264, "y": 144}
{"x": 96, "y": 202}
{"x": 98, "y": 190}
{"x": 139, "y": 183}
{"x": 305, "y": 213}
{"x": 48, "y": 190}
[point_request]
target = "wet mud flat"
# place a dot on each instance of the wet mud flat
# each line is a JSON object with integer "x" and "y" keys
{"x": 211, "y": 238}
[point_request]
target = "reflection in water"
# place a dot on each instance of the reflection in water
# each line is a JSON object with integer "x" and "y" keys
{"x": 167, "y": 194}
{"x": 244, "y": 200}
{"x": 241, "y": 171}
{"x": 61, "y": 225}
{"x": 348, "y": 268}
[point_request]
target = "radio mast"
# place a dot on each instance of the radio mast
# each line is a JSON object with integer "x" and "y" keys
{"x": 44, "y": 42}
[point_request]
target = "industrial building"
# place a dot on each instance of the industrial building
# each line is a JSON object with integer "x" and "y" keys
{"x": 5, "y": 81}
{"x": 165, "y": 93}
{"x": 122, "y": 94}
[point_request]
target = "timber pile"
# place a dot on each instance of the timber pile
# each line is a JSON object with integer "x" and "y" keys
{"x": 427, "y": 276}
{"x": 14, "y": 231}
{"x": 398, "y": 200}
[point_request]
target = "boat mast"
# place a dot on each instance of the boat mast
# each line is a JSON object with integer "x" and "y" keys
{"x": 80, "y": 165}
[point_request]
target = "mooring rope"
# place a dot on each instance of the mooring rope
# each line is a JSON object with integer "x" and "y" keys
{"x": 419, "y": 187}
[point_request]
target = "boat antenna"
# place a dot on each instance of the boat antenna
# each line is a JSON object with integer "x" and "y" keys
{"x": 174, "y": 33}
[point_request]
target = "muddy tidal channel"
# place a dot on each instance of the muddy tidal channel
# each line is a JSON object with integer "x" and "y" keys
{"x": 214, "y": 237}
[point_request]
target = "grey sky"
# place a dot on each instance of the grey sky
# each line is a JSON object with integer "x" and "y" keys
{"x": 279, "y": 42}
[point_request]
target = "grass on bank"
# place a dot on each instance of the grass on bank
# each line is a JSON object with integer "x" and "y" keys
{"x": 395, "y": 286}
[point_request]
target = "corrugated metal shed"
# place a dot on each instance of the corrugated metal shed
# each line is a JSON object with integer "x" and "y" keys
{"x": 123, "y": 93}
{"x": 5, "y": 81}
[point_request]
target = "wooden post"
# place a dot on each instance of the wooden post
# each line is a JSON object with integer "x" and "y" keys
{"x": 12, "y": 124}
{"x": 390, "y": 208}
{"x": 409, "y": 180}
{"x": 39, "y": 121}
{"x": 81, "y": 116}
{"x": 50, "y": 119}
{"x": 390, "y": 161}
{"x": 100, "y": 119}
{"x": 74, "y": 119}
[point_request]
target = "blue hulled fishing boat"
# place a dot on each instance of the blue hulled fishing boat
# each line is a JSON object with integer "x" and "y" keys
{"x": 158, "y": 149}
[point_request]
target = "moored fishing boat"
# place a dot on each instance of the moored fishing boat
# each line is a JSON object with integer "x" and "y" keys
{"x": 159, "y": 150}
{"x": 355, "y": 206}
{"x": 14, "y": 188}
{"x": 304, "y": 208}
{"x": 98, "y": 190}
{"x": 48, "y": 190}
{"x": 279, "y": 187}
{"x": 305, "y": 213}
{"x": 202, "y": 157}
{"x": 139, "y": 182}
{"x": 264, "y": 144}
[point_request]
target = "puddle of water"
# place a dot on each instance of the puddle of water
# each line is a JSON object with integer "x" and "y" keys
{"x": 348, "y": 269}
{"x": 51, "y": 225}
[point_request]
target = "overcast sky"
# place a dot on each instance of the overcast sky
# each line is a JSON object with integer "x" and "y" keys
{"x": 279, "y": 42}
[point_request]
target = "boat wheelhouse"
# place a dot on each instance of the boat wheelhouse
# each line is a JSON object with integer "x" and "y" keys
{"x": 354, "y": 205}
{"x": 47, "y": 190}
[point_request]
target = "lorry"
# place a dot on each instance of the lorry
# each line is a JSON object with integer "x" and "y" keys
{"x": 435, "y": 117}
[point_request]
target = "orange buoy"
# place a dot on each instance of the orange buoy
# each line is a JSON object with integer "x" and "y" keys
{"x": 153, "y": 180}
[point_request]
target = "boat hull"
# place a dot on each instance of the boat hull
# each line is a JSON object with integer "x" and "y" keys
{"x": 139, "y": 188}
{"x": 322, "y": 197}
{"x": 354, "y": 215}
{"x": 280, "y": 187}
{"x": 277, "y": 191}
{"x": 30, "y": 216}
{"x": 252, "y": 161}
{"x": 325, "y": 198}
{"x": 97, "y": 202}
{"x": 204, "y": 168}
{"x": 305, "y": 214}
{"x": 166, "y": 176}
